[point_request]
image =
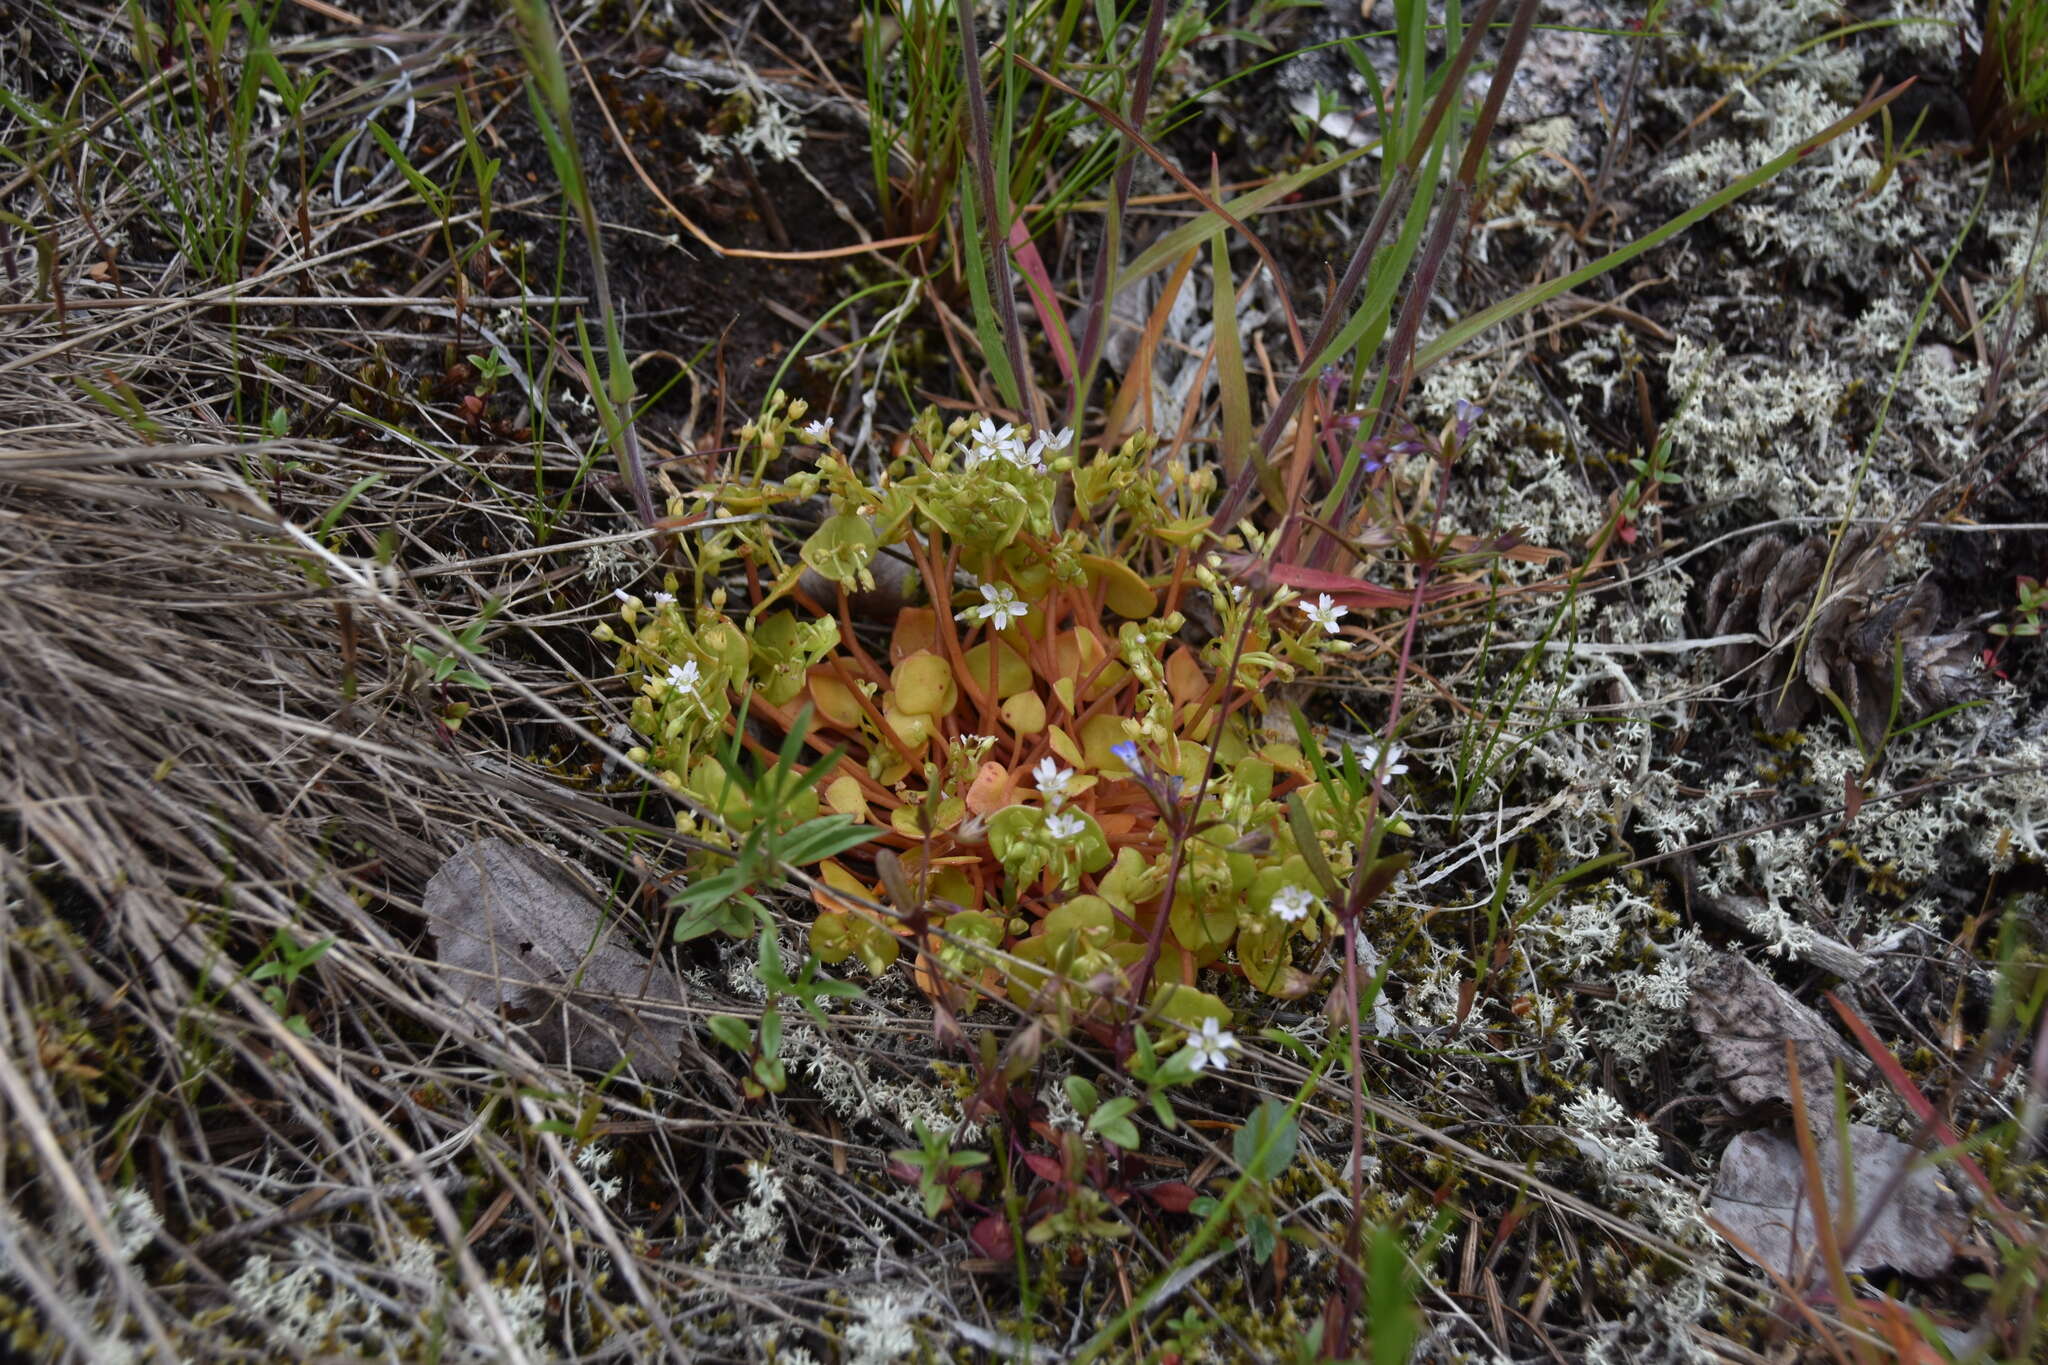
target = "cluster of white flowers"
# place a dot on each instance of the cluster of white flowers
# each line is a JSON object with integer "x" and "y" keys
{"x": 987, "y": 441}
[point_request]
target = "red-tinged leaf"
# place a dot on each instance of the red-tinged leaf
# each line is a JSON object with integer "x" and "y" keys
{"x": 1466, "y": 990}
{"x": 1921, "y": 1106}
{"x": 1174, "y": 1196}
{"x": 1039, "y": 285}
{"x": 904, "y": 1172}
{"x": 1045, "y": 1167}
{"x": 991, "y": 1237}
{"x": 1852, "y": 796}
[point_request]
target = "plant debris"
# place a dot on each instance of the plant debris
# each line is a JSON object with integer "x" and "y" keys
{"x": 1745, "y": 1019}
{"x": 523, "y": 936}
{"x": 1863, "y": 642}
{"x": 1892, "y": 1213}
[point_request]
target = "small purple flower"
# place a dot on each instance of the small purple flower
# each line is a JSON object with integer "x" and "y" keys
{"x": 1127, "y": 752}
{"x": 1468, "y": 414}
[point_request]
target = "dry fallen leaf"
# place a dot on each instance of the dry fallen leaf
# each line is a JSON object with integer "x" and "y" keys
{"x": 1745, "y": 1018}
{"x": 1760, "y": 1196}
{"x": 524, "y": 936}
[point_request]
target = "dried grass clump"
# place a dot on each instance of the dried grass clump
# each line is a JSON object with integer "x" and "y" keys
{"x": 186, "y": 776}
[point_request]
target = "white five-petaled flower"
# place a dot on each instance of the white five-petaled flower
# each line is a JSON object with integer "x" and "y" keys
{"x": 1386, "y": 762}
{"x": 1047, "y": 442}
{"x": 662, "y": 599}
{"x": 1210, "y": 1045}
{"x": 986, "y": 441}
{"x": 1293, "y": 903}
{"x": 683, "y": 677}
{"x": 998, "y": 606}
{"x": 1064, "y": 826}
{"x": 1052, "y": 781}
{"x": 1324, "y": 613}
{"x": 818, "y": 430}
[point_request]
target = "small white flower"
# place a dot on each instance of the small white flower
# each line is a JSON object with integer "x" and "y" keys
{"x": 625, "y": 598}
{"x": 1386, "y": 762}
{"x": 663, "y": 599}
{"x": 1052, "y": 781}
{"x": 1293, "y": 903}
{"x": 683, "y": 677}
{"x": 1210, "y": 1046}
{"x": 1324, "y": 613}
{"x": 1047, "y": 443}
{"x": 986, "y": 441}
{"x": 1065, "y": 827}
{"x": 998, "y": 606}
{"x": 818, "y": 430}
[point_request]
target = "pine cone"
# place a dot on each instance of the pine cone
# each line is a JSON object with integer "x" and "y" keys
{"x": 1865, "y": 643}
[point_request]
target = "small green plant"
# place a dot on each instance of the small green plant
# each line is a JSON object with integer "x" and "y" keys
{"x": 2032, "y": 601}
{"x": 760, "y": 1047}
{"x": 1264, "y": 1147}
{"x": 774, "y": 816}
{"x": 280, "y": 968}
{"x": 945, "y": 1178}
{"x": 1065, "y": 788}
{"x": 442, "y": 662}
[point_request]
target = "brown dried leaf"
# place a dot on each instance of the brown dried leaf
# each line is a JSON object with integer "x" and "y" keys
{"x": 1761, "y": 1196}
{"x": 526, "y": 937}
{"x": 1744, "y": 1018}
{"x": 1854, "y": 642}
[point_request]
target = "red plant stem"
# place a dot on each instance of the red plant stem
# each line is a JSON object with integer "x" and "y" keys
{"x": 1154, "y": 941}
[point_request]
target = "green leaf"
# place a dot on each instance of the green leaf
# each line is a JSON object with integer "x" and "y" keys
{"x": 1259, "y": 1232}
{"x": 1389, "y": 1298}
{"x": 1264, "y": 1145}
{"x": 1082, "y": 1095}
{"x": 1198, "y": 229}
{"x": 1113, "y": 1121}
{"x": 712, "y": 917}
{"x": 733, "y": 1032}
{"x": 828, "y": 836}
{"x": 1232, "y": 386}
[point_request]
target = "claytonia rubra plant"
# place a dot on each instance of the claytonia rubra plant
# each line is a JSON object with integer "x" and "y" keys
{"x": 1035, "y": 687}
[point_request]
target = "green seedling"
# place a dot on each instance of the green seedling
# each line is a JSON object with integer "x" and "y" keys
{"x": 281, "y": 965}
